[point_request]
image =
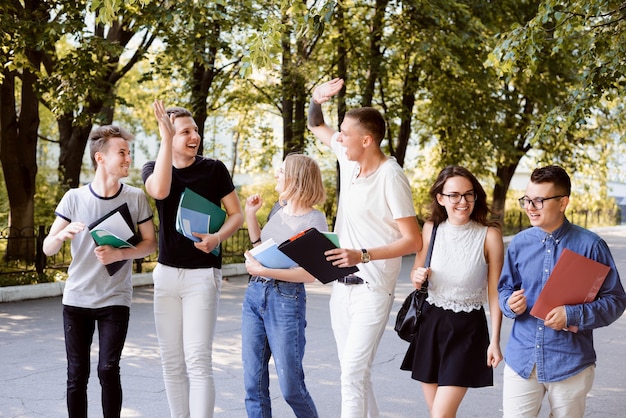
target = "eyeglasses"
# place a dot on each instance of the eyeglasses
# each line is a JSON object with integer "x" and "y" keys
{"x": 455, "y": 198}
{"x": 537, "y": 202}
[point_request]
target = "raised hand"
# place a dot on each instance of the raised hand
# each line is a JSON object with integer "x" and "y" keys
{"x": 253, "y": 204}
{"x": 325, "y": 91}
{"x": 166, "y": 124}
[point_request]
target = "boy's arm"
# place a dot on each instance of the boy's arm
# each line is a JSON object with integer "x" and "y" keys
{"x": 322, "y": 94}
{"x": 158, "y": 184}
{"x": 60, "y": 231}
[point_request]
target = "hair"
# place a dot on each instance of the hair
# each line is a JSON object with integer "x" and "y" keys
{"x": 99, "y": 139}
{"x": 178, "y": 112}
{"x": 303, "y": 181}
{"x": 370, "y": 120}
{"x": 553, "y": 174}
{"x": 481, "y": 213}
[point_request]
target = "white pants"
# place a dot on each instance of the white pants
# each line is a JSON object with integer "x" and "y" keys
{"x": 522, "y": 397}
{"x": 358, "y": 317}
{"x": 185, "y": 314}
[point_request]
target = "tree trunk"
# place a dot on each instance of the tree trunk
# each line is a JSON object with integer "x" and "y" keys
{"x": 504, "y": 174}
{"x": 299, "y": 93}
{"x": 287, "y": 108}
{"x": 375, "y": 53}
{"x": 342, "y": 64}
{"x": 406, "y": 112}
{"x": 202, "y": 77}
{"x": 18, "y": 156}
{"x": 73, "y": 141}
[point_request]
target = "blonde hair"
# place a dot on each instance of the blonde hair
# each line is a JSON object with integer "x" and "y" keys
{"x": 303, "y": 181}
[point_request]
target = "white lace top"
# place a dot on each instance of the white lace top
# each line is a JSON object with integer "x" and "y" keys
{"x": 458, "y": 280}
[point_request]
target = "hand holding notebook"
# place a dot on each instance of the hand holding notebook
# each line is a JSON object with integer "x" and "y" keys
{"x": 198, "y": 214}
{"x": 307, "y": 249}
{"x": 114, "y": 229}
{"x": 271, "y": 257}
{"x": 575, "y": 279}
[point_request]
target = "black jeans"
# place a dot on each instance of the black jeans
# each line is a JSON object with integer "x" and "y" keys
{"x": 79, "y": 324}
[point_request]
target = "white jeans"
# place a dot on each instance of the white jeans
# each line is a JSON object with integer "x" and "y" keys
{"x": 522, "y": 397}
{"x": 358, "y": 317}
{"x": 185, "y": 314}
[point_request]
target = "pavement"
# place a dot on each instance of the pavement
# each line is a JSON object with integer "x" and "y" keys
{"x": 33, "y": 366}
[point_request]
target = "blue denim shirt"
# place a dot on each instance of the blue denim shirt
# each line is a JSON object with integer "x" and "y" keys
{"x": 529, "y": 260}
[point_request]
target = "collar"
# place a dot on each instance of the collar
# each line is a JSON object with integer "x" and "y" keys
{"x": 556, "y": 235}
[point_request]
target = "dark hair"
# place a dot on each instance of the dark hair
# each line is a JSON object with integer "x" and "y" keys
{"x": 370, "y": 120}
{"x": 99, "y": 138}
{"x": 481, "y": 213}
{"x": 553, "y": 174}
{"x": 178, "y": 112}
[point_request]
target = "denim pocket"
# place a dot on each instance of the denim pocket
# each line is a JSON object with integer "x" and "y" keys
{"x": 289, "y": 290}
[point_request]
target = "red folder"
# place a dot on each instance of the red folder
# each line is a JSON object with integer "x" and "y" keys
{"x": 575, "y": 279}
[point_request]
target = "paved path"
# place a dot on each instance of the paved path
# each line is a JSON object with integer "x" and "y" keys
{"x": 32, "y": 361}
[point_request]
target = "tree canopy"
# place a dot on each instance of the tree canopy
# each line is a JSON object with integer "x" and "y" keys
{"x": 478, "y": 83}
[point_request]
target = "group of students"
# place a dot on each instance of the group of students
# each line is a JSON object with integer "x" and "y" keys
{"x": 376, "y": 225}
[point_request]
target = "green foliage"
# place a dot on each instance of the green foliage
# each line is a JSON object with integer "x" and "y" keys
{"x": 107, "y": 10}
{"x": 298, "y": 18}
{"x": 551, "y": 90}
{"x": 591, "y": 34}
{"x": 24, "y": 278}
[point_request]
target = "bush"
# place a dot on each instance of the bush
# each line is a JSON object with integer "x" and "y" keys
{"x": 31, "y": 277}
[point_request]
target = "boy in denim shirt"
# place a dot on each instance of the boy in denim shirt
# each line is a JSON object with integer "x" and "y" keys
{"x": 556, "y": 355}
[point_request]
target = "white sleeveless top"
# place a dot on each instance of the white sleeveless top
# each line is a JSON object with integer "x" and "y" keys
{"x": 458, "y": 280}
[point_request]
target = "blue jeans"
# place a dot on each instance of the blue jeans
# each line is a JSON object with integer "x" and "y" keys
{"x": 79, "y": 325}
{"x": 273, "y": 323}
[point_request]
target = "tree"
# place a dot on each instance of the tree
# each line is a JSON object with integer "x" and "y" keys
{"x": 19, "y": 117}
{"x": 81, "y": 78}
{"x": 555, "y": 71}
{"x": 482, "y": 120}
{"x": 201, "y": 46}
{"x": 590, "y": 33}
{"x": 50, "y": 57}
{"x": 300, "y": 36}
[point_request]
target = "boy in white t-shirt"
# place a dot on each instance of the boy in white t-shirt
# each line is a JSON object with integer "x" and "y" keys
{"x": 376, "y": 225}
{"x": 92, "y": 293}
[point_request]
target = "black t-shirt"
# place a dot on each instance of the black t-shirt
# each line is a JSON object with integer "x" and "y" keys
{"x": 207, "y": 177}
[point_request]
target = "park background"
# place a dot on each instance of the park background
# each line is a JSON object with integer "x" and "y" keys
{"x": 497, "y": 86}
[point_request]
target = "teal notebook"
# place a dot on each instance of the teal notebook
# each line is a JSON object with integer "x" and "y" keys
{"x": 198, "y": 214}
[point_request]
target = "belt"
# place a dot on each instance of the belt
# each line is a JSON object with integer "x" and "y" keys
{"x": 351, "y": 279}
{"x": 262, "y": 279}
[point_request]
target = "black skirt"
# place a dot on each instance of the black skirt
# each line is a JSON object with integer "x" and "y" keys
{"x": 450, "y": 348}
